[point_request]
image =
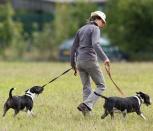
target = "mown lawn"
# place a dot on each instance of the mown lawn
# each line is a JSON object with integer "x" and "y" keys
{"x": 55, "y": 109}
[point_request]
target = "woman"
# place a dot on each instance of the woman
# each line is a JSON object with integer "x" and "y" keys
{"x": 85, "y": 49}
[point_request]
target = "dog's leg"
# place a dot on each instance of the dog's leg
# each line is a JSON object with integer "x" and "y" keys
{"x": 143, "y": 116}
{"x": 105, "y": 114}
{"x": 29, "y": 110}
{"x": 138, "y": 111}
{"x": 6, "y": 108}
{"x": 33, "y": 114}
{"x": 16, "y": 112}
{"x": 124, "y": 113}
{"x": 25, "y": 110}
{"x": 30, "y": 113}
{"x": 112, "y": 114}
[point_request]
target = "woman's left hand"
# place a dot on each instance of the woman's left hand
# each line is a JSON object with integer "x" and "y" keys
{"x": 75, "y": 70}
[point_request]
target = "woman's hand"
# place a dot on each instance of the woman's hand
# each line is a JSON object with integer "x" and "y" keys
{"x": 75, "y": 70}
{"x": 107, "y": 65}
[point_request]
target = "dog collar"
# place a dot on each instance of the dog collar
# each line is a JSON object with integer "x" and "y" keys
{"x": 31, "y": 95}
{"x": 139, "y": 99}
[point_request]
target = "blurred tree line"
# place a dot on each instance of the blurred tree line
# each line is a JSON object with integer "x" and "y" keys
{"x": 129, "y": 25}
{"x": 39, "y": 40}
{"x": 11, "y": 40}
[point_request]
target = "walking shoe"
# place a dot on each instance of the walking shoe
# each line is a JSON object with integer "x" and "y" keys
{"x": 84, "y": 109}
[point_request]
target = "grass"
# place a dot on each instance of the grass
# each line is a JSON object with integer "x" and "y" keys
{"x": 55, "y": 109}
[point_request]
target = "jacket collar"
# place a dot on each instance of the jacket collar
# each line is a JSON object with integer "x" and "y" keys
{"x": 93, "y": 22}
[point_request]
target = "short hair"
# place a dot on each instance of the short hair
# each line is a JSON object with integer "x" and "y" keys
{"x": 93, "y": 18}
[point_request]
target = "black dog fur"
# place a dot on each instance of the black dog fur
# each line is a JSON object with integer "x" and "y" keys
{"x": 125, "y": 105}
{"x": 19, "y": 103}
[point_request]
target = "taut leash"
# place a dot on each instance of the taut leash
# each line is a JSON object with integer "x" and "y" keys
{"x": 109, "y": 74}
{"x": 57, "y": 77}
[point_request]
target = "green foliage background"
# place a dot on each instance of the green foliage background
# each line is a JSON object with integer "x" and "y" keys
{"x": 39, "y": 39}
{"x": 130, "y": 25}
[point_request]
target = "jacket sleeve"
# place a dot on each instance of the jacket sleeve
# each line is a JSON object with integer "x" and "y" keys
{"x": 96, "y": 44}
{"x": 73, "y": 50}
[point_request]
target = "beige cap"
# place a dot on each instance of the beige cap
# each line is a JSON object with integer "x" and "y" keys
{"x": 100, "y": 14}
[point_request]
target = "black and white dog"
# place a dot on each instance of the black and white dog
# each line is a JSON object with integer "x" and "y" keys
{"x": 125, "y": 105}
{"x": 19, "y": 103}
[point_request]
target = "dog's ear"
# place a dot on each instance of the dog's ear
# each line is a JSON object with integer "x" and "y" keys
{"x": 26, "y": 90}
{"x": 140, "y": 93}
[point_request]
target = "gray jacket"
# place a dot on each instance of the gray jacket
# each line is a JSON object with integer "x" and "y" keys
{"x": 86, "y": 44}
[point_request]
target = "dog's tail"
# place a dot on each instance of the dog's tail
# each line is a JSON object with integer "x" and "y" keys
{"x": 104, "y": 97}
{"x": 101, "y": 96}
{"x": 10, "y": 93}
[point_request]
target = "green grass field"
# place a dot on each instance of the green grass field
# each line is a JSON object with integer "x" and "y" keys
{"x": 55, "y": 109}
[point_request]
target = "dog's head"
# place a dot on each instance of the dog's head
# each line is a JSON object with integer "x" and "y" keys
{"x": 36, "y": 90}
{"x": 145, "y": 98}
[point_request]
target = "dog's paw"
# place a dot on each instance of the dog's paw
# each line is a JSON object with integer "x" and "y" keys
{"x": 102, "y": 117}
{"x": 34, "y": 115}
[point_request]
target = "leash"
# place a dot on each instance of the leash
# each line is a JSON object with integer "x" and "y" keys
{"x": 57, "y": 77}
{"x": 109, "y": 74}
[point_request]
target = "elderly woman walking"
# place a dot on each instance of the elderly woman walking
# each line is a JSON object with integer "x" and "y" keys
{"x": 84, "y": 59}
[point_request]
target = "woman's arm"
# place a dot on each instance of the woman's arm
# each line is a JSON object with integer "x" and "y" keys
{"x": 96, "y": 44}
{"x": 73, "y": 51}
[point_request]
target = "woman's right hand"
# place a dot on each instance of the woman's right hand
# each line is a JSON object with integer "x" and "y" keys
{"x": 107, "y": 65}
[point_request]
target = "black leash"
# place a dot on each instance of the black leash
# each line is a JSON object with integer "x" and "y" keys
{"x": 57, "y": 77}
